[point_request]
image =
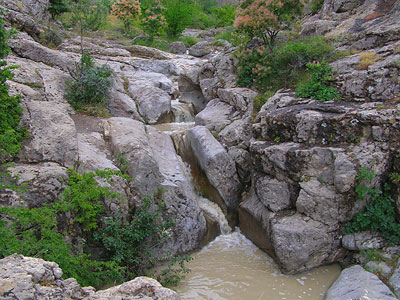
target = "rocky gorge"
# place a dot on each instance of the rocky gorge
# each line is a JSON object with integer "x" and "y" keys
{"x": 285, "y": 175}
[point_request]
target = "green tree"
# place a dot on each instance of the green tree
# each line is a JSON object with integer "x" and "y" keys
{"x": 266, "y": 18}
{"x": 89, "y": 14}
{"x": 152, "y": 19}
{"x": 177, "y": 15}
{"x": 57, "y": 7}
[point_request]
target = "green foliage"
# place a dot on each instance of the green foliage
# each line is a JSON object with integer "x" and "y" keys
{"x": 175, "y": 271}
{"x": 225, "y": 15}
{"x": 90, "y": 84}
{"x": 152, "y": 20}
{"x": 89, "y": 14}
{"x": 33, "y": 232}
{"x": 57, "y": 7}
{"x": 316, "y": 5}
{"x": 316, "y": 88}
{"x": 130, "y": 243}
{"x": 379, "y": 213}
{"x": 232, "y": 36}
{"x": 84, "y": 197}
{"x": 189, "y": 41}
{"x": 282, "y": 66}
{"x": 260, "y": 100}
{"x": 178, "y": 15}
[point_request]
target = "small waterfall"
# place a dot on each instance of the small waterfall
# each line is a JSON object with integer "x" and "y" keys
{"x": 213, "y": 210}
{"x": 183, "y": 112}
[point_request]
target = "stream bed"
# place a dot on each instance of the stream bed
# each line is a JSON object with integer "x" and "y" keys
{"x": 233, "y": 268}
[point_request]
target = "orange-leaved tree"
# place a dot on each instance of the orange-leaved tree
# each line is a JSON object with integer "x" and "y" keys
{"x": 127, "y": 11}
{"x": 266, "y": 18}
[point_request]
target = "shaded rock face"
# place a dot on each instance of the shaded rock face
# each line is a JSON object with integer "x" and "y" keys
{"x": 363, "y": 285}
{"x": 32, "y": 278}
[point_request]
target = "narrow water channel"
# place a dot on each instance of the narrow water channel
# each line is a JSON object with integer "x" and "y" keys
{"x": 233, "y": 268}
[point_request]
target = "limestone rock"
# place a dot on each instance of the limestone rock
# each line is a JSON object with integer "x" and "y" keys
{"x": 153, "y": 163}
{"x": 153, "y": 103}
{"x": 356, "y": 283}
{"x": 363, "y": 241}
{"x": 217, "y": 164}
{"x": 379, "y": 267}
{"x": 177, "y": 47}
{"x": 274, "y": 194}
{"x": 394, "y": 280}
{"x": 236, "y": 133}
{"x": 216, "y": 115}
{"x": 34, "y": 278}
{"x": 200, "y": 49}
{"x": 52, "y": 134}
{"x": 45, "y": 181}
{"x": 240, "y": 98}
{"x": 301, "y": 244}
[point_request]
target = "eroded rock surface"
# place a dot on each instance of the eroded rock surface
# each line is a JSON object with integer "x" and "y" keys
{"x": 33, "y": 278}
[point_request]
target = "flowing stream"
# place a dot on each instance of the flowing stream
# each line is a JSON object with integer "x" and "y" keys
{"x": 232, "y": 268}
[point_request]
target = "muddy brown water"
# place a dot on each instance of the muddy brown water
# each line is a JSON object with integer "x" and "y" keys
{"x": 233, "y": 268}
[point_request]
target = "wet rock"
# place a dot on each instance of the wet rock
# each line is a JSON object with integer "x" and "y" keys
{"x": 363, "y": 241}
{"x": 217, "y": 165}
{"x": 363, "y": 285}
{"x": 53, "y": 134}
{"x": 242, "y": 159}
{"x": 301, "y": 244}
{"x": 177, "y": 48}
{"x": 255, "y": 222}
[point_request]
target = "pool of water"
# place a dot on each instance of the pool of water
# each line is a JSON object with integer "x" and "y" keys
{"x": 233, "y": 268}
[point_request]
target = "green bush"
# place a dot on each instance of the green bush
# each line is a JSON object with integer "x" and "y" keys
{"x": 89, "y": 14}
{"x": 189, "y": 41}
{"x": 379, "y": 213}
{"x": 316, "y": 88}
{"x": 282, "y": 66}
{"x": 178, "y": 15}
{"x": 90, "y": 84}
{"x": 232, "y": 36}
{"x": 225, "y": 15}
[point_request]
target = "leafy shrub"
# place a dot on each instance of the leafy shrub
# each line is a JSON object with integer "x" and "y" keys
{"x": 316, "y": 88}
{"x": 90, "y": 84}
{"x": 282, "y": 66}
{"x": 232, "y": 36}
{"x": 130, "y": 243}
{"x": 379, "y": 213}
{"x": 189, "y": 41}
{"x": 225, "y": 15}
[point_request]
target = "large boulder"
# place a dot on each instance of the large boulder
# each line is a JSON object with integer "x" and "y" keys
{"x": 177, "y": 48}
{"x": 356, "y": 283}
{"x": 216, "y": 115}
{"x": 218, "y": 166}
{"x": 200, "y": 49}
